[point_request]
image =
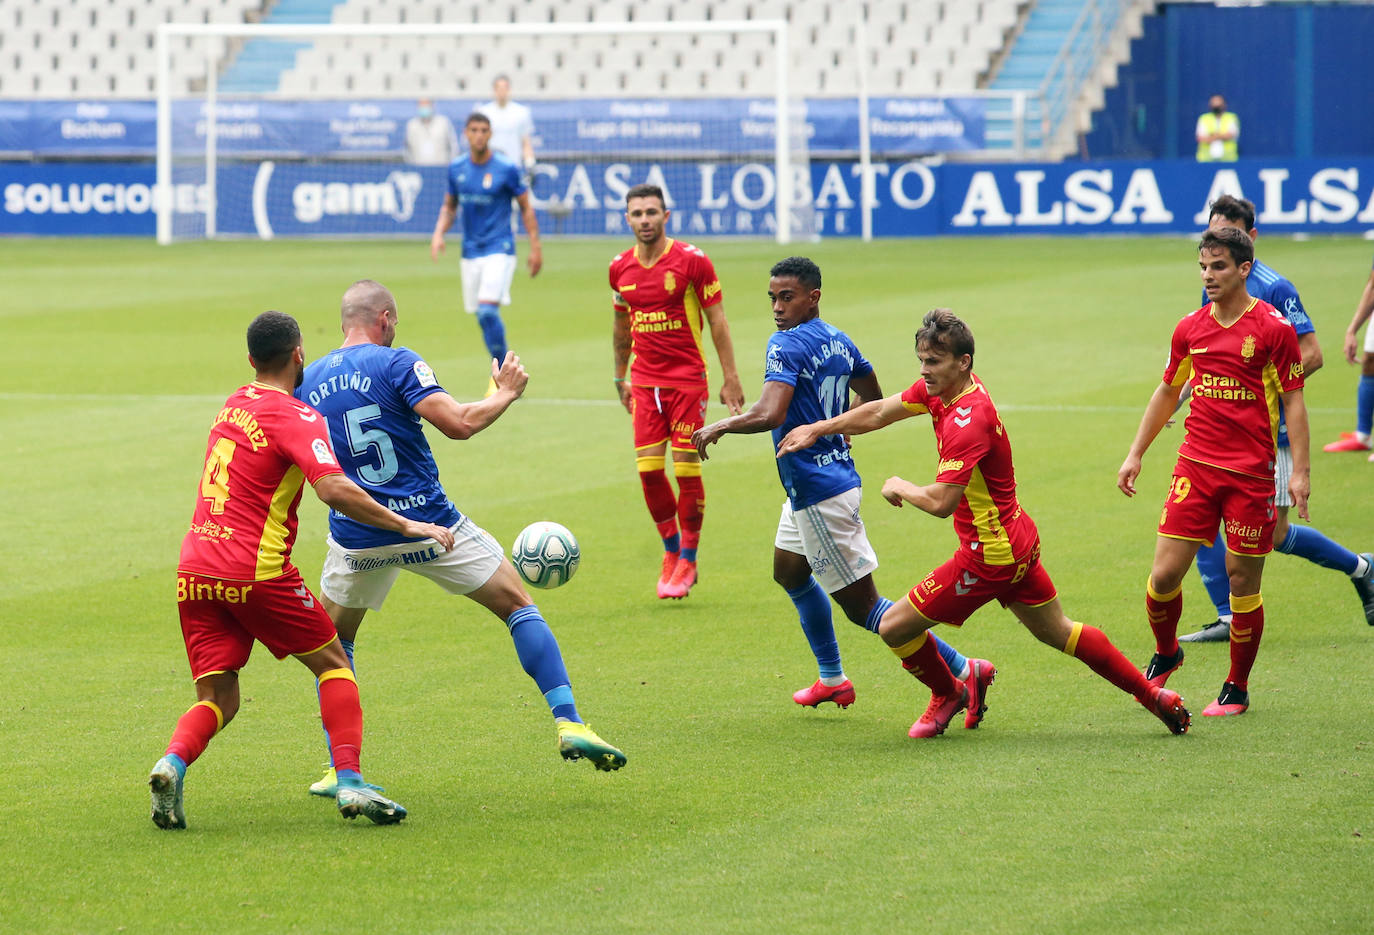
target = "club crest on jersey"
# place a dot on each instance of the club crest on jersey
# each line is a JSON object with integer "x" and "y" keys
{"x": 322, "y": 453}
{"x": 424, "y": 375}
{"x": 1247, "y": 347}
{"x": 486, "y": 180}
{"x": 669, "y": 282}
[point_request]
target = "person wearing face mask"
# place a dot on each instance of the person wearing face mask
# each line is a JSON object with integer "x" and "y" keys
{"x": 430, "y": 137}
{"x": 1217, "y": 133}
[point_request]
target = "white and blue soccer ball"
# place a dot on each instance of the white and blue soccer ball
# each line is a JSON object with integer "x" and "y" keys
{"x": 546, "y": 554}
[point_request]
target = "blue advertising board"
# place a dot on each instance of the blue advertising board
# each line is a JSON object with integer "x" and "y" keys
{"x": 273, "y": 198}
{"x": 590, "y": 128}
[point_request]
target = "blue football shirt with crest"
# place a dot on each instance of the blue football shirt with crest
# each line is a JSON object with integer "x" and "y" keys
{"x": 817, "y": 360}
{"x": 484, "y": 192}
{"x": 367, "y": 394}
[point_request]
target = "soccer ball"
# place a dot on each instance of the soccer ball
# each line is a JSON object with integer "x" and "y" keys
{"x": 545, "y": 554}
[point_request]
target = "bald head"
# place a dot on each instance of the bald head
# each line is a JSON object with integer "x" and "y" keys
{"x": 363, "y": 300}
{"x": 369, "y": 309}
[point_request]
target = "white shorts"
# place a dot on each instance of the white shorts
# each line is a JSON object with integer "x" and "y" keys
{"x": 362, "y": 577}
{"x": 1283, "y": 473}
{"x": 487, "y": 279}
{"x": 1369, "y": 338}
{"x": 831, "y": 536}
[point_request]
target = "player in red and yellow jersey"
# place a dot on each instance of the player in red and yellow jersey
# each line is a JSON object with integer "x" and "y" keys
{"x": 235, "y": 580}
{"x": 999, "y": 547}
{"x": 663, "y": 290}
{"x": 1243, "y": 360}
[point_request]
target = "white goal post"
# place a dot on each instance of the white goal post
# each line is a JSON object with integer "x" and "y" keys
{"x": 192, "y": 193}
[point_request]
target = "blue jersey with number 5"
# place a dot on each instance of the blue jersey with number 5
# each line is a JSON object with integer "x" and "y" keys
{"x": 367, "y": 393}
{"x": 817, "y": 360}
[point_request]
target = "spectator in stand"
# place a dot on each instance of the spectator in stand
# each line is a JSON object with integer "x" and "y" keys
{"x": 430, "y": 137}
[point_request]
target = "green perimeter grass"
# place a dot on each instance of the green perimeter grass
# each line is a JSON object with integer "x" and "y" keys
{"x": 1070, "y": 810}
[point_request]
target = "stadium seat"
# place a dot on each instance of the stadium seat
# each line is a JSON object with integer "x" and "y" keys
{"x": 954, "y": 39}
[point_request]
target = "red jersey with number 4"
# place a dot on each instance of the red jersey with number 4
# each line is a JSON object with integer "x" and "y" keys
{"x": 1238, "y": 373}
{"x": 264, "y": 445}
{"x": 975, "y": 454}
{"x": 665, "y": 301}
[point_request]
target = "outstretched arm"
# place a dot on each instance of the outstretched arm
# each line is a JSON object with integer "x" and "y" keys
{"x": 731, "y": 390}
{"x": 348, "y": 498}
{"x": 464, "y": 420}
{"x": 869, "y": 417}
{"x": 764, "y": 416}
{"x": 1157, "y": 413}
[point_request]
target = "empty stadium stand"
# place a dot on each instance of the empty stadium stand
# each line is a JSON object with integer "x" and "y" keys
{"x": 105, "y": 48}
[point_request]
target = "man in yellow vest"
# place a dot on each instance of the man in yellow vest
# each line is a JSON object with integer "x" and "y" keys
{"x": 1217, "y": 132}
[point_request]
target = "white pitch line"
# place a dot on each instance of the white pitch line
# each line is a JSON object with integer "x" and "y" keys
{"x": 543, "y": 401}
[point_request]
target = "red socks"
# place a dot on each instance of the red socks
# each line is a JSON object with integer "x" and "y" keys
{"x": 921, "y": 657}
{"x": 1247, "y": 626}
{"x": 691, "y": 504}
{"x": 658, "y": 496}
{"x": 1164, "y": 611}
{"x": 1091, "y": 646}
{"x": 342, "y": 713}
{"x": 194, "y": 730}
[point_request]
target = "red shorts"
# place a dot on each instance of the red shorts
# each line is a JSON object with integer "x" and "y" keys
{"x": 220, "y": 618}
{"x": 1202, "y": 497}
{"x": 951, "y": 593}
{"x": 667, "y": 413}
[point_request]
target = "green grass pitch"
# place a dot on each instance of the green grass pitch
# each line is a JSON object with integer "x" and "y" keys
{"x": 1070, "y": 810}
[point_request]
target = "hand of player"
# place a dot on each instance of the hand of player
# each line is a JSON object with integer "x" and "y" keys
{"x": 1348, "y": 346}
{"x": 436, "y": 246}
{"x": 707, "y": 435}
{"x": 626, "y": 397}
{"x": 535, "y": 262}
{"x": 799, "y": 439}
{"x": 440, "y": 534}
{"x": 732, "y": 395}
{"x": 892, "y": 490}
{"x": 1300, "y": 489}
{"x": 510, "y": 374}
{"x": 1125, "y": 477}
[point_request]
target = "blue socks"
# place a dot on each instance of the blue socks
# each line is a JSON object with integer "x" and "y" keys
{"x": 1211, "y": 568}
{"x": 1364, "y": 406}
{"x": 493, "y": 329}
{"x": 1303, "y": 541}
{"x": 690, "y": 555}
{"x": 1316, "y": 548}
{"x": 876, "y": 614}
{"x": 957, "y": 662}
{"x": 542, "y": 661}
{"x": 813, "y": 607}
{"x": 673, "y": 543}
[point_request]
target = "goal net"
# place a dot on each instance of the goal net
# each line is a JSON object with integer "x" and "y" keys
{"x": 704, "y": 109}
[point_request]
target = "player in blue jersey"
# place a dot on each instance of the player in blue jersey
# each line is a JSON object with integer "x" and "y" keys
{"x": 1264, "y": 283}
{"x": 484, "y": 183}
{"x": 374, "y": 397}
{"x": 821, "y": 546}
